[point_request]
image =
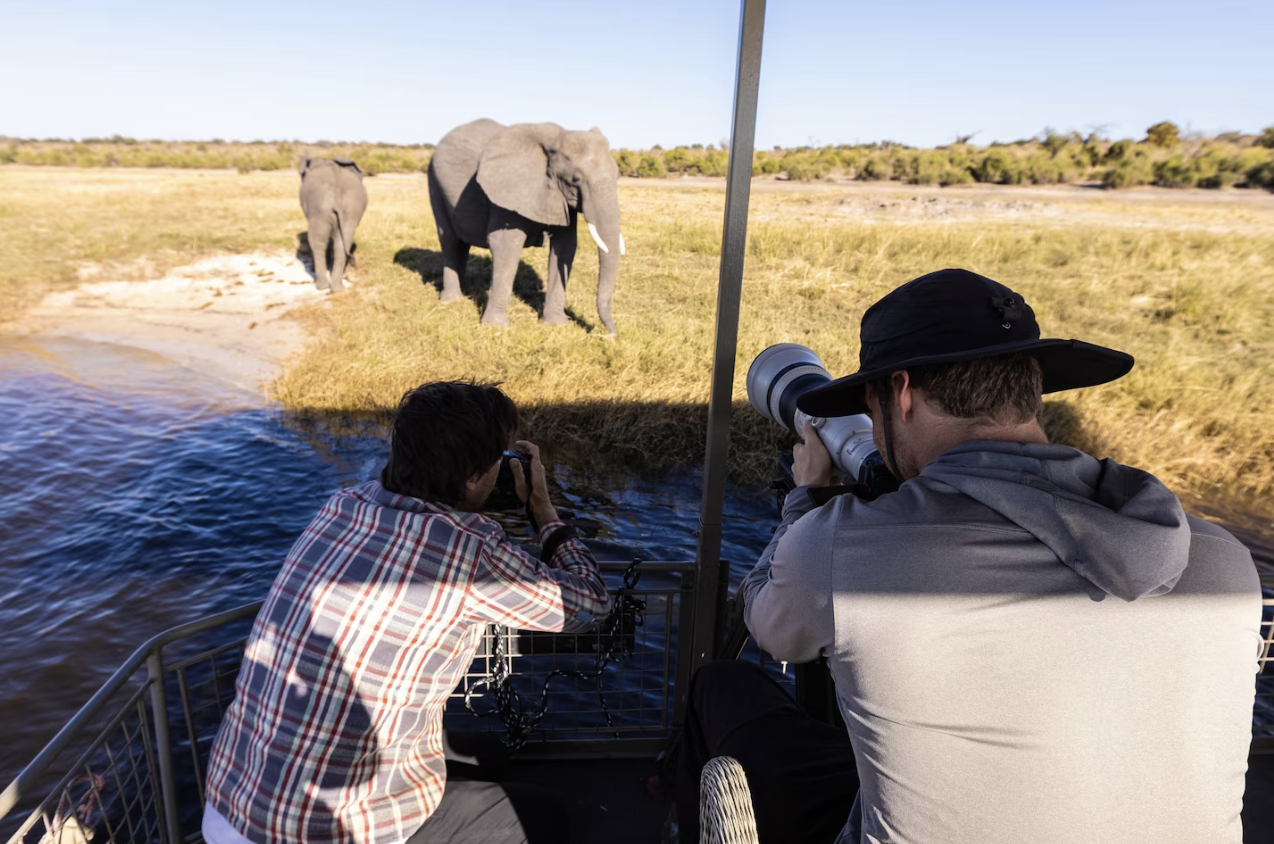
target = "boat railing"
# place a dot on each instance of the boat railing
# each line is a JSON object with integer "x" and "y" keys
{"x": 128, "y": 768}
{"x": 1263, "y": 710}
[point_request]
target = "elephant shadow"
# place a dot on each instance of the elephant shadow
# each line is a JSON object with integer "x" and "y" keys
{"x": 528, "y": 285}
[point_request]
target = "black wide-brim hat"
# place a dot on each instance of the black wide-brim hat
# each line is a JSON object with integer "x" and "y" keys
{"x": 951, "y": 316}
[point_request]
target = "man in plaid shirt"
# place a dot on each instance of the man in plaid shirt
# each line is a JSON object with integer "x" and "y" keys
{"x": 335, "y": 733}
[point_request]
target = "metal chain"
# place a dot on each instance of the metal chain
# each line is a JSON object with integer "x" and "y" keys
{"x": 611, "y": 644}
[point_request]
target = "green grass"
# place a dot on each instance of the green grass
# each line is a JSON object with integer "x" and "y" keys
{"x": 1184, "y": 284}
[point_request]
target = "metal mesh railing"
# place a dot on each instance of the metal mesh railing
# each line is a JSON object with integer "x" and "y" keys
{"x": 635, "y": 700}
{"x": 114, "y": 772}
{"x": 129, "y": 767}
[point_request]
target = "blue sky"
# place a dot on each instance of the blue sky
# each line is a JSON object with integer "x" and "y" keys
{"x": 655, "y": 71}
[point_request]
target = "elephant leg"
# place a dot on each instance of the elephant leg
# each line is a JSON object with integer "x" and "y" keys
{"x": 338, "y": 259}
{"x": 561, "y": 256}
{"x": 506, "y": 250}
{"x": 455, "y": 258}
{"x": 320, "y": 238}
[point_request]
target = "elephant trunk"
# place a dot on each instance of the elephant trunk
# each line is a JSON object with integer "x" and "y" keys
{"x": 601, "y": 211}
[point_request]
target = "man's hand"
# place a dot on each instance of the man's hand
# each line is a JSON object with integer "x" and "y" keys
{"x": 811, "y": 462}
{"x": 541, "y": 508}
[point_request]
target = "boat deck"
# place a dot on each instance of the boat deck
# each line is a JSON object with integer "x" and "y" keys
{"x": 609, "y": 802}
{"x": 607, "y": 798}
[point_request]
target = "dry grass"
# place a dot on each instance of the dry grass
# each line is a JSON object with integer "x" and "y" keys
{"x": 1184, "y": 281}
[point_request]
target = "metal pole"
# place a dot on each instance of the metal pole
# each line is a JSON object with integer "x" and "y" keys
{"x": 163, "y": 747}
{"x": 729, "y": 289}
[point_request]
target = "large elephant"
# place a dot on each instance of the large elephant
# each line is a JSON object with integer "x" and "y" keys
{"x": 506, "y": 187}
{"x": 333, "y": 199}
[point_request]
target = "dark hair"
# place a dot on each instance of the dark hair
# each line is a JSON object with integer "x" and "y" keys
{"x": 446, "y": 432}
{"x": 1007, "y": 388}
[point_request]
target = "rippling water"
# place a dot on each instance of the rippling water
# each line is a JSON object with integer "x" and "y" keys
{"x": 137, "y": 496}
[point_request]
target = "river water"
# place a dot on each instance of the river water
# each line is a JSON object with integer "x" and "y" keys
{"x": 137, "y": 495}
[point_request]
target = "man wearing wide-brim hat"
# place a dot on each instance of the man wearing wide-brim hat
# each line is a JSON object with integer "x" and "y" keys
{"x": 1028, "y": 643}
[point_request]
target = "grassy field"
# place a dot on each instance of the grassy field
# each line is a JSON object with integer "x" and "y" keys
{"x": 1183, "y": 280}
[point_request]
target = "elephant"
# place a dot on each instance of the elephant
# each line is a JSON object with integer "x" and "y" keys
{"x": 505, "y": 187}
{"x": 333, "y": 199}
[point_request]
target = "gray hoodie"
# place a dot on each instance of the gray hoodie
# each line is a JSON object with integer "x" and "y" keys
{"x": 1028, "y": 644}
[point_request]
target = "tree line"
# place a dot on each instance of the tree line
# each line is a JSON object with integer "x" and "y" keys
{"x": 1165, "y": 157}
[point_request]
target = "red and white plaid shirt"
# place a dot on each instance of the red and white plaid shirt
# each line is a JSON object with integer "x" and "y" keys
{"x": 335, "y": 732}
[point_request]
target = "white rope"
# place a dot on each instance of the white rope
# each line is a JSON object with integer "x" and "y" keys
{"x": 725, "y": 804}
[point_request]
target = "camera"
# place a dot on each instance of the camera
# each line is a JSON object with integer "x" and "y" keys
{"x": 783, "y": 373}
{"x": 505, "y": 495}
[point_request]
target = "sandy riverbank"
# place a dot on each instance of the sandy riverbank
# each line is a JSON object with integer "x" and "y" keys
{"x": 225, "y": 317}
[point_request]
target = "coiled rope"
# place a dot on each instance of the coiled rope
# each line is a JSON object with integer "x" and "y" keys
{"x": 612, "y": 644}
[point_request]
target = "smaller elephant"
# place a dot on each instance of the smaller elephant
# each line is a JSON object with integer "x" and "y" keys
{"x": 333, "y": 199}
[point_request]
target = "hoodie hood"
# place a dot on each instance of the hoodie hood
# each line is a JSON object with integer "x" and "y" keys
{"x": 1117, "y": 527}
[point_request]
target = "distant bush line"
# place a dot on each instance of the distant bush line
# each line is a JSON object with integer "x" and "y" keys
{"x": 1164, "y": 157}
{"x": 209, "y": 155}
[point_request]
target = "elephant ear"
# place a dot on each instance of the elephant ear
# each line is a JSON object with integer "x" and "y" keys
{"x": 304, "y": 165}
{"x": 349, "y": 164}
{"x": 514, "y": 172}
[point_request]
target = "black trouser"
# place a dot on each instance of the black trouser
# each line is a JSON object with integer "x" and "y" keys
{"x": 800, "y": 771}
{"x": 475, "y": 808}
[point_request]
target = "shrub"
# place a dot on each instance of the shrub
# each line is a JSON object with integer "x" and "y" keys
{"x": 1163, "y": 134}
{"x": 1262, "y": 176}
{"x": 1174, "y": 172}
{"x": 771, "y": 166}
{"x": 877, "y": 168}
{"x": 1054, "y": 143}
{"x": 806, "y": 168}
{"x": 1047, "y": 172}
{"x": 1118, "y": 151}
{"x": 925, "y": 168}
{"x": 651, "y": 168}
{"x": 955, "y": 175}
{"x": 1266, "y": 138}
{"x": 996, "y": 167}
{"x": 1129, "y": 173}
{"x": 676, "y": 159}
{"x": 714, "y": 162}
{"x": 1218, "y": 179}
{"x": 626, "y": 161}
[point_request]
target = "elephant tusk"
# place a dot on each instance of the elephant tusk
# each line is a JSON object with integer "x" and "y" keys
{"x": 622, "y": 250}
{"x": 597, "y": 238}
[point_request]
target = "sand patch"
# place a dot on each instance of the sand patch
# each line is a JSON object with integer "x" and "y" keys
{"x": 224, "y": 317}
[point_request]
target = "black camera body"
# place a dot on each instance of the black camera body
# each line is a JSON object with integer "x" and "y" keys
{"x": 505, "y": 494}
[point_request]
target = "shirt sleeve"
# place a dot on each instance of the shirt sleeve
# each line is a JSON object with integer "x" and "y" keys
{"x": 564, "y": 595}
{"x": 787, "y": 597}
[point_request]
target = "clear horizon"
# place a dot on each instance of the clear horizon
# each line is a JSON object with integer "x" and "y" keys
{"x": 832, "y": 73}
